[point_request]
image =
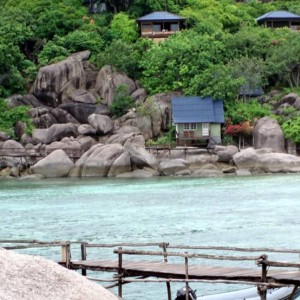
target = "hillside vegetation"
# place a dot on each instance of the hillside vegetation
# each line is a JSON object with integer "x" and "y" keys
{"x": 221, "y": 49}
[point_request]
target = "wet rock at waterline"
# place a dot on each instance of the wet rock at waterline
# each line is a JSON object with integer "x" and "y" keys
{"x": 56, "y": 164}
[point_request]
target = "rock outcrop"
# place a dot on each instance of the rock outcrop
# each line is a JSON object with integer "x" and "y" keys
{"x": 32, "y": 277}
{"x": 98, "y": 161}
{"x": 171, "y": 167}
{"x": 55, "y": 83}
{"x": 55, "y": 133}
{"x": 263, "y": 160}
{"x": 56, "y": 164}
{"x": 268, "y": 134}
{"x": 102, "y": 124}
{"x": 108, "y": 81}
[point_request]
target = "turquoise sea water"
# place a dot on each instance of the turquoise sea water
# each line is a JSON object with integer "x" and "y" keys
{"x": 260, "y": 211}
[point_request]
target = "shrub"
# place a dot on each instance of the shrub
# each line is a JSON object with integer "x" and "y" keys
{"x": 122, "y": 102}
{"x": 10, "y": 116}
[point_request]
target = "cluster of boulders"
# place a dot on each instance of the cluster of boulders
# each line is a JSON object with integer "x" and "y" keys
{"x": 70, "y": 103}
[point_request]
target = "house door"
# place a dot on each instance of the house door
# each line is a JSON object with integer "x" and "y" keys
{"x": 205, "y": 129}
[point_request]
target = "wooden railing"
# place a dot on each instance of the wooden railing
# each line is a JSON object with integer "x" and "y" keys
{"x": 37, "y": 153}
{"x": 262, "y": 260}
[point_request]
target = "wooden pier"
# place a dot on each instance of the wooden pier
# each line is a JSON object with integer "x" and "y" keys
{"x": 265, "y": 273}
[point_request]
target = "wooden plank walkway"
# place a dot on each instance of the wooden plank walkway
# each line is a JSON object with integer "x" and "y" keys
{"x": 171, "y": 270}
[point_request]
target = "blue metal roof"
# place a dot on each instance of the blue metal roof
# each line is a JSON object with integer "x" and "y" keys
{"x": 278, "y": 15}
{"x": 161, "y": 16}
{"x": 197, "y": 110}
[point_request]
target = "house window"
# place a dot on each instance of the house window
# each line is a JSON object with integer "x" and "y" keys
{"x": 146, "y": 27}
{"x": 156, "y": 27}
{"x": 193, "y": 126}
{"x": 190, "y": 126}
{"x": 205, "y": 129}
{"x": 175, "y": 27}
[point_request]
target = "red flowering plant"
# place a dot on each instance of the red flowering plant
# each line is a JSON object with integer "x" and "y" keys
{"x": 244, "y": 128}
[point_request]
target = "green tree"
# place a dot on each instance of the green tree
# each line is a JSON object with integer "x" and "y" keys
{"x": 124, "y": 28}
{"x": 239, "y": 112}
{"x": 251, "y": 70}
{"x": 217, "y": 81}
{"x": 284, "y": 61}
{"x": 124, "y": 57}
{"x": 172, "y": 65}
{"x": 9, "y": 118}
{"x": 291, "y": 129}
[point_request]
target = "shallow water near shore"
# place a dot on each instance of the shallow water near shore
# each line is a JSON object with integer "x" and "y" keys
{"x": 256, "y": 211}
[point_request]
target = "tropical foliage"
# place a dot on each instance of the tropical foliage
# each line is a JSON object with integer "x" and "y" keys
{"x": 220, "y": 50}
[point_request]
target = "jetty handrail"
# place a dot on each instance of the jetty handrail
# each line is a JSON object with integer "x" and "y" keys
{"x": 187, "y": 255}
{"x": 113, "y": 245}
{"x": 27, "y": 244}
{"x": 24, "y": 152}
{"x": 158, "y": 244}
{"x": 236, "y": 249}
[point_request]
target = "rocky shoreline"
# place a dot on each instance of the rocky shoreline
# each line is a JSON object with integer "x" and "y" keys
{"x": 78, "y": 137}
{"x": 132, "y": 160}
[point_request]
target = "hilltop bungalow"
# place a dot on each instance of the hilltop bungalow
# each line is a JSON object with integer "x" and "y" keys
{"x": 280, "y": 18}
{"x": 160, "y": 24}
{"x": 197, "y": 120}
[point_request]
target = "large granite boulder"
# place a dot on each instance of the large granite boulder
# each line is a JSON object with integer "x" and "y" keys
{"x": 83, "y": 96}
{"x": 121, "y": 165}
{"x": 138, "y": 173}
{"x": 140, "y": 157}
{"x": 246, "y": 159}
{"x": 123, "y": 134}
{"x": 279, "y": 163}
{"x": 4, "y": 136}
{"x": 86, "y": 129}
{"x": 226, "y": 154}
{"x": 98, "y": 160}
{"x": 102, "y": 124}
{"x": 208, "y": 170}
{"x": 45, "y": 117}
{"x": 262, "y": 160}
{"x": 55, "y": 133}
{"x": 56, "y": 164}
{"x": 69, "y": 145}
{"x": 91, "y": 73}
{"x": 171, "y": 167}
{"x": 161, "y": 116}
{"x": 133, "y": 119}
{"x": 108, "y": 81}
{"x": 81, "y": 111}
{"x": 62, "y": 116}
{"x": 139, "y": 96}
{"x": 12, "y": 148}
{"x": 30, "y": 277}
{"x": 268, "y": 134}
{"x": 55, "y": 83}
{"x": 20, "y": 100}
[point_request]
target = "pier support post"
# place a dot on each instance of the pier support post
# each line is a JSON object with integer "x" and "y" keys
{"x": 66, "y": 254}
{"x": 164, "y": 245}
{"x": 120, "y": 273}
{"x": 83, "y": 257}
{"x": 262, "y": 290}
{"x": 186, "y": 260}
